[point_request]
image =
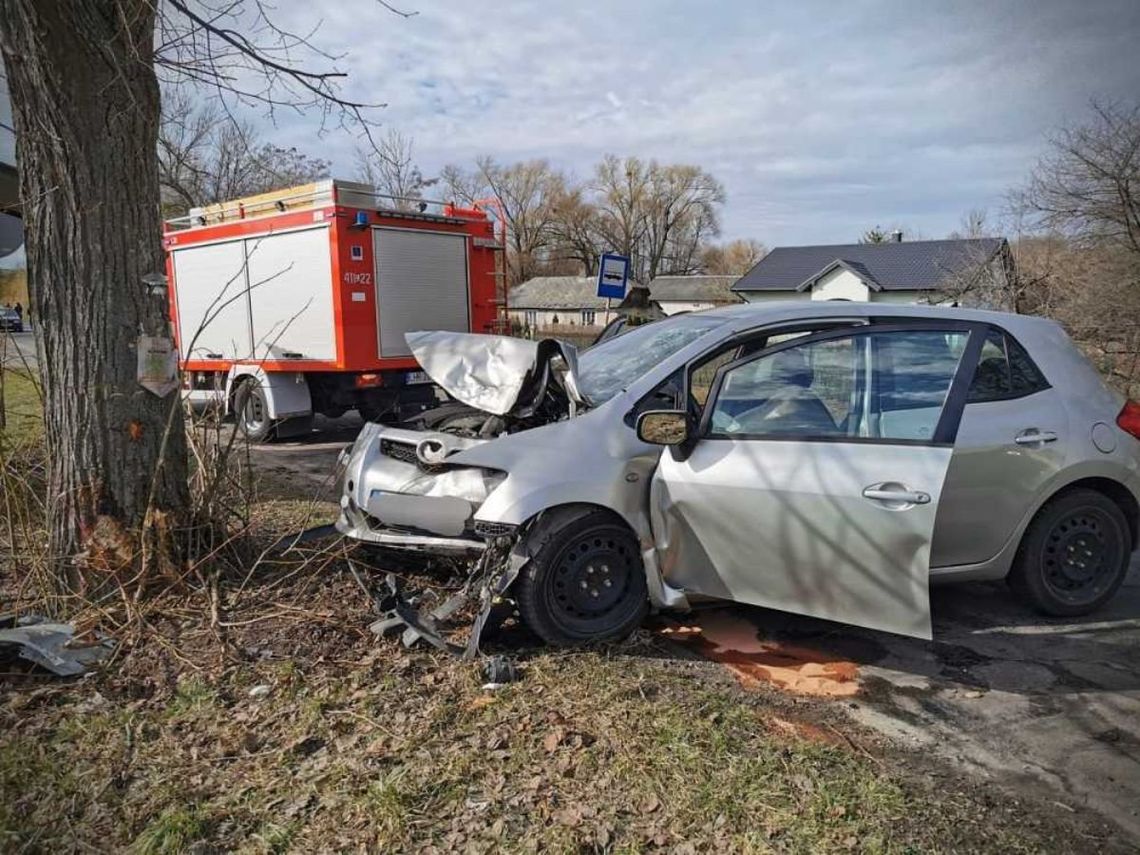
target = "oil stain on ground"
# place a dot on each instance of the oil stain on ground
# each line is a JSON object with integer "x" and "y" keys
{"x": 735, "y": 642}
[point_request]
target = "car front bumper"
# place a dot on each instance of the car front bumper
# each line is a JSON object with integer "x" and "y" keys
{"x": 392, "y": 495}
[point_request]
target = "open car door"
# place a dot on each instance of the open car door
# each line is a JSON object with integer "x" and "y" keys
{"x": 813, "y": 481}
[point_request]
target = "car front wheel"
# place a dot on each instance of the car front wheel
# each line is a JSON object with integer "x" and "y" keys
{"x": 585, "y": 581}
{"x": 1074, "y": 555}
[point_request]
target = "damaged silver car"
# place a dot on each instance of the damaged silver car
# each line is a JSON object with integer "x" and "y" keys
{"x": 829, "y": 459}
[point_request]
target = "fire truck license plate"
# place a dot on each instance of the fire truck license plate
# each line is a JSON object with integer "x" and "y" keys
{"x": 416, "y": 377}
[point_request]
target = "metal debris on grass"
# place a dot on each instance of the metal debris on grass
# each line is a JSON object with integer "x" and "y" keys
{"x": 50, "y": 645}
{"x": 485, "y": 587}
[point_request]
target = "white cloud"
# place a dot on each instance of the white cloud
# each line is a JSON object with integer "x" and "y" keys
{"x": 821, "y": 120}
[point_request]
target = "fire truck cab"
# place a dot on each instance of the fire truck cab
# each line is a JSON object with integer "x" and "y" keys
{"x": 296, "y": 302}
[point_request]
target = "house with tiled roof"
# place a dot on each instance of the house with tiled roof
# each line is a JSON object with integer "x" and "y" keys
{"x": 924, "y": 271}
{"x": 676, "y": 294}
{"x": 564, "y": 301}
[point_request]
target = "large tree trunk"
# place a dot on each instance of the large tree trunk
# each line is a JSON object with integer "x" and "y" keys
{"x": 86, "y": 107}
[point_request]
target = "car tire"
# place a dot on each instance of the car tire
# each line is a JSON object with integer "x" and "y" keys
{"x": 251, "y": 411}
{"x": 1074, "y": 555}
{"x": 585, "y": 581}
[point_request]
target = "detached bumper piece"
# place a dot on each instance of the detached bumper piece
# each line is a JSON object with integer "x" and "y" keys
{"x": 491, "y": 575}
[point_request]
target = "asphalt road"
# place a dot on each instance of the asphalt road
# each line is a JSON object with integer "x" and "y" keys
{"x": 1029, "y": 702}
{"x": 17, "y": 348}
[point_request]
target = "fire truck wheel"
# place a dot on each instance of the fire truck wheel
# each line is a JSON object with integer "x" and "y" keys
{"x": 252, "y": 411}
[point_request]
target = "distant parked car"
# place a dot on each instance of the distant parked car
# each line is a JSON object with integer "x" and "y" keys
{"x": 831, "y": 459}
{"x": 10, "y": 320}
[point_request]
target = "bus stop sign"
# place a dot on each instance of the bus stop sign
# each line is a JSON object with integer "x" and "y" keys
{"x": 613, "y": 274}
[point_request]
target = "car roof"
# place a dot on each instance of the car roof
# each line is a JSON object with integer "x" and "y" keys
{"x": 744, "y": 315}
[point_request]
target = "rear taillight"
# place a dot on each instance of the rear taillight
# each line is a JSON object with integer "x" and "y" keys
{"x": 1129, "y": 418}
{"x": 365, "y": 381}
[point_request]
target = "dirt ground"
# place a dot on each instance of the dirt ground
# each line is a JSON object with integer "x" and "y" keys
{"x": 1033, "y": 705}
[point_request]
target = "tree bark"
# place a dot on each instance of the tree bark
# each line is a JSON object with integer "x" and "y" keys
{"x": 86, "y": 107}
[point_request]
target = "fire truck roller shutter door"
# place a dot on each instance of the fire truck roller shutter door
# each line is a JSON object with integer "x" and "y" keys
{"x": 421, "y": 284}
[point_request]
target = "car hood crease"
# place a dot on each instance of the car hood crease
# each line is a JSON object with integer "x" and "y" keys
{"x": 497, "y": 374}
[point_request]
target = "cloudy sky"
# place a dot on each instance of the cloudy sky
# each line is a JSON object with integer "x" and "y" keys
{"x": 821, "y": 119}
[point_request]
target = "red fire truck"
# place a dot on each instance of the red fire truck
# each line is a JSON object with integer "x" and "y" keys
{"x": 296, "y": 302}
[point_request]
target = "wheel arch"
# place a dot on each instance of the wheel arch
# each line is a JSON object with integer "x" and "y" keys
{"x": 1121, "y": 496}
{"x": 661, "y": 594}
{"x": 286, "y": 393}
{"x": 559, "y": 515}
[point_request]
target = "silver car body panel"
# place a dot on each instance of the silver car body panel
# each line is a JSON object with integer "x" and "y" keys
{"x": 491, "y": 372}
{"x": 785, "y": 524}
{"x": 995, "y": 485}
{"x": 990, "y": 475}
{"x": 880, "y": 554}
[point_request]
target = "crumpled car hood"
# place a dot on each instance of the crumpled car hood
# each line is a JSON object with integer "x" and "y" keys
{"x": 494, "y": 373}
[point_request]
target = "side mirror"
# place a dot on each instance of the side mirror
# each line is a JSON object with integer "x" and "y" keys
{"x": 663, "y": 427}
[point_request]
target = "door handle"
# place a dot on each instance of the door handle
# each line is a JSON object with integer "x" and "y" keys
{"x": 881, "y": 493}
{"x": 1034, "y": 436}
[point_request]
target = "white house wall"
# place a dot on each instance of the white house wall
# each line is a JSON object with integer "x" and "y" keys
{"x": 774, "y": 296}
{"x": 670, "y": 307}
{"x": 840, "y": 284}
{"x": 541, "y": 318}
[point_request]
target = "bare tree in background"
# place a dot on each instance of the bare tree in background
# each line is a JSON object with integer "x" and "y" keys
{"x": 391, "y": 169}
{"x": 1088, "y": 187}
{"x": 622, "y": 192}
{"x": 577, "y": 229}
{"x": 734, "y": 258}
{"x": 206, "y": 156}
{"x": 661, "y": 216}
{"x": 681, "y": 216}
{"x": 85, "y": 98}
{"x": 875, "y": 235}
{"x": 526, "y": 194}
{"x": 974, "y": 225}
{"x": 1081, "y": 211}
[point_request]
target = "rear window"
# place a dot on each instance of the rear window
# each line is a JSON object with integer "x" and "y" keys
{"x": 1004, "y": 371}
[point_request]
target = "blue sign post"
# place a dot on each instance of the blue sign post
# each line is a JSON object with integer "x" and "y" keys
{"x": 613, "y": 275}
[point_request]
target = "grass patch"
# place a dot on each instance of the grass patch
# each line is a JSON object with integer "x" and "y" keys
{"x": 350, "y": 744}
{"x": 171, "y": 833}
{"x": 23, "y": 411}
{"x": 398, "y": 752}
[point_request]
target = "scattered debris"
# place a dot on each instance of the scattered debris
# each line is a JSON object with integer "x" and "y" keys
{"x": 309, "y": 535}
{"x": 50, "y": 645}
{"x": 486, "y": 585}
{"x": 258, "y": 692}
{"x": 498, "y": 671}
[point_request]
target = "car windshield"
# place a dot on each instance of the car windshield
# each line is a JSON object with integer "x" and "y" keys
{"x": 608, "y": 368}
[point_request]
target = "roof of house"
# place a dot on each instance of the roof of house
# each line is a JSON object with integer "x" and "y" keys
{"x": 904, "y": 266}
{"x": 693, "y": 289}
{"x": 559, "y": 292}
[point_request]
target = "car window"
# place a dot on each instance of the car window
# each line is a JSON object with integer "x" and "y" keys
{"x": 701, "y": 379}
{"x": 873, "y": 385}
{"x": 1004, "y": 371}
{"x": 609, "y": 367}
